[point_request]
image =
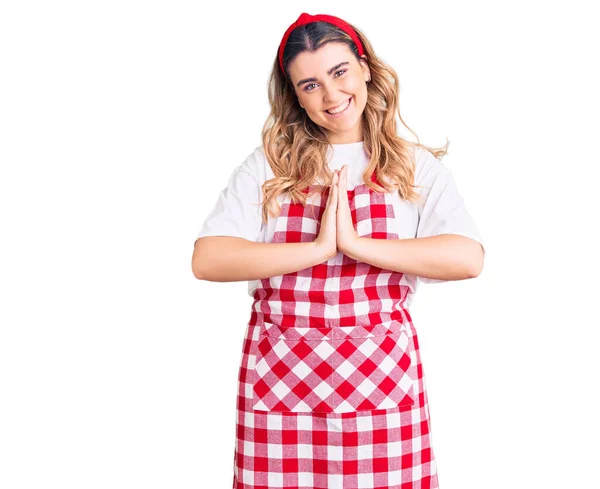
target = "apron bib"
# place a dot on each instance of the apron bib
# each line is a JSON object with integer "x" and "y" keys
{"x": 335, "y": 337}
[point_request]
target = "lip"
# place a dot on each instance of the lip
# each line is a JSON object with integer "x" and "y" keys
{"x": 333, "y": 116}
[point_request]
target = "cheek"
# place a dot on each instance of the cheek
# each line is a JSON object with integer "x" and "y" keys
{"x": 360, "y": 85}
{"x": 360, "y": 96}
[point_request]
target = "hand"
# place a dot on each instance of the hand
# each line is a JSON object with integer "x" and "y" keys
{"x": 346, "y": 234}
{"x": 327, "y": 234}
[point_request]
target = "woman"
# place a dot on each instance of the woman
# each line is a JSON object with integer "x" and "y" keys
{"x": 331, "y": 392}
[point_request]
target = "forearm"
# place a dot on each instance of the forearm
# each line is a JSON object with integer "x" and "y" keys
{"x": 442, "y": 257}
{"x": 230, "y": 259}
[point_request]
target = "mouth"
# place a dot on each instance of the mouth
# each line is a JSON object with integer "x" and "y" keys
{"x": 340, "y": 109}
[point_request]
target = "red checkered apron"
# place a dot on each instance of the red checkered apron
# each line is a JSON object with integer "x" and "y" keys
{"x": 331, "y": 392}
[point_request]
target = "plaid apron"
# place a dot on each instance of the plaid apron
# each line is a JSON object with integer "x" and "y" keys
{"x": 331, "y": 392}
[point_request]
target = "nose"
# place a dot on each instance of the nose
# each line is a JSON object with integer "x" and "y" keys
{"x": 329, "y": 95}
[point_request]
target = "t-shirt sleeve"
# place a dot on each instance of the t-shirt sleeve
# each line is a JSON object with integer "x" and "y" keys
{"x": 237, "y": 211}
{"x": 442, "y": 209}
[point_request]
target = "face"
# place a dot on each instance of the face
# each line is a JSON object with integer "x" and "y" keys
{"x": 332, "y": 78}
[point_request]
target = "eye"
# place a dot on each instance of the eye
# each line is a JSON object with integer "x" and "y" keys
{"x": 310, "y": 84}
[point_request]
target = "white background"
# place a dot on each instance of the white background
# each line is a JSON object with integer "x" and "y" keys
{"x": 121, "y": 123}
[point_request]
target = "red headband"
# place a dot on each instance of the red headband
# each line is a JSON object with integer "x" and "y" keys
{"x": 307, "y": 19}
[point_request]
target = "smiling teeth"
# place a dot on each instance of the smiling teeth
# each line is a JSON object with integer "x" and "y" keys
{"x": 337, "y": 111}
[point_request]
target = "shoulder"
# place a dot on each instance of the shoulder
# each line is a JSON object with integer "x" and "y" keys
{"x": 427, "y": 167}
{"x": 255, "y": 164}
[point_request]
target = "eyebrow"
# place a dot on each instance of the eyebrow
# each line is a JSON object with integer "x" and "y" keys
{"x": 331, "y": 70}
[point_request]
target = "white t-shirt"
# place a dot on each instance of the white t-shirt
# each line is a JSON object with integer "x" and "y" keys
{"x": 441, "y": 210}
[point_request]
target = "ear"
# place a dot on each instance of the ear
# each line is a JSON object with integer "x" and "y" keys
{"x": 365, "y": 67}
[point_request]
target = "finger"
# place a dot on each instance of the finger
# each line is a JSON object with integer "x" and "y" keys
{"x": 335, "y": 189}
{"x": 333, "y": 184}
{"x": 343, "y": 196}
{"x": 332, "y": 191}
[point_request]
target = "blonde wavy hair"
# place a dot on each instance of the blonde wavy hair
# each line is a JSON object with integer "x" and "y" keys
{"x": 296, "y": 147}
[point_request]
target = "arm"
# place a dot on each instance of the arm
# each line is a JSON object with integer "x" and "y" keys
{"x": 232, "y": 259}
{"x": 445, "y": 257}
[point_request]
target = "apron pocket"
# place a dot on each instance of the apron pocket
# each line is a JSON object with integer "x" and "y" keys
{"x": 292, "y": 371}
{"x": 374, "y": 367}
{"x": 327, "y": 370}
